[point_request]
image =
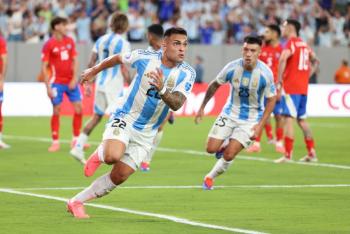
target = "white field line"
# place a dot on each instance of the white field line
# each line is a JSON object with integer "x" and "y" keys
{"x": 267, "y": 186}
{"x": 192, "y": 152}
{"x": 141, "y": 213}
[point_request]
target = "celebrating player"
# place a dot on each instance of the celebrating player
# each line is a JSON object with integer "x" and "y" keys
{"x": 60, "y": 54}
{"x": 3, "y": 67}
{"x": 294, "y": 72}
{"x": 109, "y": 83}
{"x": 163, "y": 81}
{"x": 243, "y": 116}
{"x": 270, "y": 54}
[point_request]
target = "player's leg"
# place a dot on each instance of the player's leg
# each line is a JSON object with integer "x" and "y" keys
{"x": 308, "y": 138}
{"x": 279, "y": 133}
{"x": 99, "y": 188}
{"x": 56, "y": 101}
{"x": 3, "y": 145}
{"x": 74, "y": 96}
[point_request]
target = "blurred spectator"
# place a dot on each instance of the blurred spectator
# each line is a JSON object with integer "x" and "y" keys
{"x": 342, "y": 75}
{"x": 137, "y": 26}
{"x": 165, "y": 9}
{"x": 83, "y": 27}
{"x": 15, "y": 22}
{"x": 218, "y": 34}
{"x": 199, "y": 69}
{"x": 31, "y": 28}
{"x": 206, "y": 33}
{"x": 43, "y": 28}
{"x": 3, "y": 21}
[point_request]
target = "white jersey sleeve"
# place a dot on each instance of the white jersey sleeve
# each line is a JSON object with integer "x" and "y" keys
{"x": 186, "y": 80}
{"x": 225, "y": 74}
{"x": 135, "y": 55}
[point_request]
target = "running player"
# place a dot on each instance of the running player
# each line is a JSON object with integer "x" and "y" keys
{"x": 60, "y": 54}
{"x": 109, "y": 83}
{"x": 162, "y": 82}
{"x": 270, "y": 54}
{"x": 3, "y": 67}
{"x": 243, "y": 116}
{"x": 294, "y": 72}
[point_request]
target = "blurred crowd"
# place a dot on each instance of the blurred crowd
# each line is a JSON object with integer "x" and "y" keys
{"x": 324, "y": 23}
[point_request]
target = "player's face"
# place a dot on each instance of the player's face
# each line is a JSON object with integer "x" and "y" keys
{"x": 175, "y": 47}
{"x": 285, "y": 29}
{"x": 61, "y": 28}
{"x": 251, "y": 53}
{"x": 268, "y": 34}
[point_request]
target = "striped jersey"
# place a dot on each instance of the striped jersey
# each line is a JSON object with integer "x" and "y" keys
{"x": 142, "y": 106}
{"x": 248, "y": 88}
{"x": 110, "y": 80}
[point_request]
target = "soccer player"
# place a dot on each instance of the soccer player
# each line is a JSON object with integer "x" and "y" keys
{"x": 3, "y": 67}
{"x": 155, "y": 39}
{"x": 60, "y": 54}
{"x": 270, "y": 54}
{"x": 109, "y": 83}
{"x": 243, "y": 116}
{"x": 294, "y": 72}
{"x": 162, "y": 82}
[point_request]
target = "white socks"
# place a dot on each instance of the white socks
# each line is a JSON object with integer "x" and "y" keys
{"x": 156, "y": 142}
{"x": 81, "y": 141}
{"x": 100, "y": 187}
{"x": 219, "y": 168}
{"x": 100, "y": 153}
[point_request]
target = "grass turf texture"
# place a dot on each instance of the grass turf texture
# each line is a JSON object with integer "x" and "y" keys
{"x": 273, "y": 210}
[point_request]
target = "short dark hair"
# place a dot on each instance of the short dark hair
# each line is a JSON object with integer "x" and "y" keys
{"x": 253, "y": 40}
{"x": 58, "y": 20}
{"x": 275, "y": 28}
{"x": 175, "y": 30}
{"x": 295, "y": 23}
{"x": 156, "y": 29}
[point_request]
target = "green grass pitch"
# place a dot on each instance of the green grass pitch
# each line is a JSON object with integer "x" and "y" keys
{"x": 241, "y": 203}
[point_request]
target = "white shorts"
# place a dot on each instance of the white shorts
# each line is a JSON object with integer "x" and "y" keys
{"x": 138, "y": 144}
{"x": 106, "y": 102}
{"x": 228, "y": 128}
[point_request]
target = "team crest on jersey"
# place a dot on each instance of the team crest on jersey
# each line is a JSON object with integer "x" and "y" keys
{"x": 170, "y": 82}
{"x": 245, "y": 81}
{"x": 255, "y": 84}
{"x": 55, "y": 50}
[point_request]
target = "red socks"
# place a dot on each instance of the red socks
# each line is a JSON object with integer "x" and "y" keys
{"x": 268, "y": 130}
{"x": 77, "y": 123}
{"x": 310, "y": 145}
{"x": 288, "y": 144}
{"x": 55, "y": 126}
{"x": 279, "y": 134}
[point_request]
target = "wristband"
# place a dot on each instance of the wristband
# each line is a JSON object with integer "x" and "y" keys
{"x": 162, "y": 92}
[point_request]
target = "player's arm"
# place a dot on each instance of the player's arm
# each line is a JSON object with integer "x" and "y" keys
{"x": 74, "y": 80}
{"x": 281, "y": 67}
{"x": 44, "y": 71}
{"x": 213, "y": 86}
{"x": 111, "y": 61}
{"x": 87, "y": 85}
{"x": 315, "y": 62}
{"x": 4, "y": 67}
{"x": 125, "y": 73}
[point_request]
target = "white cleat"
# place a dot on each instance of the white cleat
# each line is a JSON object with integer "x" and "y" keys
{"x": 78, "y": 155}
{"x": 308, "y": 158}
{"x": 3, "y": 145}
{"x": 283, "y": 159}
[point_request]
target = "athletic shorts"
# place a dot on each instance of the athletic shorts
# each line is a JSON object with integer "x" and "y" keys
{"x": 294, "y": 105}
{"x": 228, "y": 128}
{"x": 138, "y": 143}
{"x": 105, "y": 102}
{"x": 278, "y": 109}
{"x": 74, "y": 95}
{"x": 1, "y": 96}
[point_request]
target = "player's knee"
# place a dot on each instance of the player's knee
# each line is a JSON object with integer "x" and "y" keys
{"x": 111, "y": 157}
{"x": 229, "y": 155}
{"x": 211, "y": 149}
{"x": 119, "y": 177}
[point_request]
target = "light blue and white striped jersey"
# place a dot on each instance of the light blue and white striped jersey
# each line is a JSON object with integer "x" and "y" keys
{"x": 142, "y": 106}
{"x": 248, "y": 89}
{"x": 110, "y": 80}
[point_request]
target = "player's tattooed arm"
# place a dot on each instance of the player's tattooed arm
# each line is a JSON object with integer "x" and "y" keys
{"x": 174, "y": 100}
{"x": 213, "y": 86}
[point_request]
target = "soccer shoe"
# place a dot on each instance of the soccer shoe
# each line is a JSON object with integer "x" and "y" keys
{"x": 255, "y": 148}
{"x": 171, "y": 118}
{"x": 271, "y": 141}
{"x": 308, "y": 158}
{"x": 283, "y": 159}
{"x": 3, "y": 145}
{"x": 74, "y": 142}
{"x": 76, "y": 208}
{"x": 208, "y": 183}
{"x": 78, "y": 154}
{"x": 55, "y": 146}
{"x": 92, "y": 164}
{"x": 279, "y": 147}
{"x": 144, "y": 167}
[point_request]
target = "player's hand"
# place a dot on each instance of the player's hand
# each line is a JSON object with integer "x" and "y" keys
{"x": 72, "y": 84}
{"x": 156, "y": 79}
{"x": 87, "y": 75}
{"x": 256, "y": 130}
{"x": 199, "y": 116}
{"x": 50, "y": 92}
{"x": 1, "y": 83}
{"x": 279, "y": 94}
{"x": 87, "y": 89}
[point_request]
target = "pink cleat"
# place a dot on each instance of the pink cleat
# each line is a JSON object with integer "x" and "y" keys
{"x": 55, "y": 146}
{"x": 92, "y": 164}
{"x": 208, "y": 183}
{"x": 145, "y": 166}
{"x": 255, "y": 148}
{"x": 76, "y": 208}
{"x": 279, "y": 147}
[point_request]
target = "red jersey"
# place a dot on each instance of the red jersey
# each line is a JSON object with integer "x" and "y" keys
{"x": 271, "y": 56}
{"x": 3, "y": 50}
{"x": 297, "y": 72}
{"x": 60, "y": 55}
